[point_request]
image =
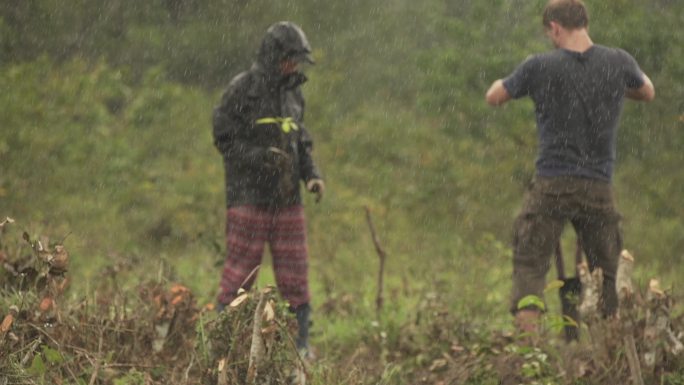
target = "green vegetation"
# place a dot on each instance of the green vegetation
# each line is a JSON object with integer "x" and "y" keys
{"x": 105, "y": 144}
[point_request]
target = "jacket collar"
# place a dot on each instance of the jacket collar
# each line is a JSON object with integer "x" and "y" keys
{"x": 273, "y": 80}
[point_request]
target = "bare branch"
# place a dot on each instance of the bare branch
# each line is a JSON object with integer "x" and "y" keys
{"x": 379, "y": 299}
{"x": 257, "y": 349}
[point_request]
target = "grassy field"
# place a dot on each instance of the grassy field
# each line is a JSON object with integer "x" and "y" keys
{"x": 134, "y": 205}
{"x": 106, "y": 148}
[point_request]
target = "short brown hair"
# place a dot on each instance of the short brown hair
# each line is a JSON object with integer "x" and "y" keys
{"x": 571, "y": 14}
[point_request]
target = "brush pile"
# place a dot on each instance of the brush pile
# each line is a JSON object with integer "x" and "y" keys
{"x": 641, "y": 345}
{"x": 151, "y": 334}
{"x": 251, "y": 343}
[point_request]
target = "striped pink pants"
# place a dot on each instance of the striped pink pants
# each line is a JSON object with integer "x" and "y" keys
{"x": 248, "y": 229}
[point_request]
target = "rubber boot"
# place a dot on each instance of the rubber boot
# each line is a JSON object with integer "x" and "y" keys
{"x": 569, "y": 295}
{"x": 298, "y": 374}
{"x": 302, "y": 312}
{"x": 220, "y": 306}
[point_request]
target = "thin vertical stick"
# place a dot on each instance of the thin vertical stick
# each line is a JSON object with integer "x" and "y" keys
{"x": 632, "y": 358}
{"x": 98, "y": 364}
{"x": 379, "y": 299}
{"x": 257, "y": 349}
{"x": 249, "y": 276}
{"x": 625, "y": 289}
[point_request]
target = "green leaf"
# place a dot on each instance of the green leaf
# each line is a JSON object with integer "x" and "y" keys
{"x": 531, "y": 300}
{"x": 267, "y": 121}
{"x": 37, "y": 366}
{"x": 555, "y": 323}
{"x": 569, "y": 321}
{"x": 287, "y": 124}
{"x": 554, "y": 285}
{"x": 52, "y": 356}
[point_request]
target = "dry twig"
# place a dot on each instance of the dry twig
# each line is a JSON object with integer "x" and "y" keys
{"x": 379, "y": 299}
{"x": 624, "y": 286}
{"x": 98, "y": 363}
{"x": 257, "y": 349}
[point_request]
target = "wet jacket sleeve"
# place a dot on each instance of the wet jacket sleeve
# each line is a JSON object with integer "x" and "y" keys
{"x": 307, "y": 167}
{"x": 231, "y": 117}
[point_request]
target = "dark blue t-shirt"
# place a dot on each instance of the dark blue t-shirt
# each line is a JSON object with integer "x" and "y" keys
{"x": 578, "y": 99}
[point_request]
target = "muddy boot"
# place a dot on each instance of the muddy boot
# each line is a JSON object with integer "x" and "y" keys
{"x": 303, "y": 312}
{"x": 219, "y": 307}
{"x": 570, "y": 294}
{"x": 298, "y": 374}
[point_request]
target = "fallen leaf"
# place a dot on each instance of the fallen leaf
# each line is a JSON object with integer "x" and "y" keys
{"x": 162, "y": 331}
{"x": 438, "y": 364}
{"x": 654, "y": 287}
{"x": 60, "y": 259}
{"x": 269, "y": 313}
{"x": 177, "y": 289}
{"x": 267, "y": 290}
{"x": 269, "y": 329}
{"x": 6, "y": 324}
{"x": 582, "y": 369}
{"x": 177, "y": 299}
{"x": 46, "y": 304}
{"x": 240, "y": 299}
{"x": 6, "y": 221}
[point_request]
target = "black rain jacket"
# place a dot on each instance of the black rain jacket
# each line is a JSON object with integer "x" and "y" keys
{"x": 259, "y": 126}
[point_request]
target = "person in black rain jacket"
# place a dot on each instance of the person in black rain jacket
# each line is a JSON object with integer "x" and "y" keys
{"x": 258, "y": 128}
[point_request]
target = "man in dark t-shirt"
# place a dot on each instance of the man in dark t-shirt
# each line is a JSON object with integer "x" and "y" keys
{"x": 578, "y": 90}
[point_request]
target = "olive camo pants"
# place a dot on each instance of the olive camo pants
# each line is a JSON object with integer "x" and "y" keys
{"x": 549, "y": 203}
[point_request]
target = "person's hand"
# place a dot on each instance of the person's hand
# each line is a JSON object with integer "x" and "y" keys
{"x": 316, "y": 186}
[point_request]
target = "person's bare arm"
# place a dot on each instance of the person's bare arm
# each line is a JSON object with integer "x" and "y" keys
{"x": 645, "y": 93}
{"x": 497, "y": 94}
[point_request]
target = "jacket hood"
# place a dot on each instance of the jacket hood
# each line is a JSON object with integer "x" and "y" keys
{"x": 283, "y": 40}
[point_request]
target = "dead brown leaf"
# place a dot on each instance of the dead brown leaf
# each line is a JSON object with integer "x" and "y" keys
{"x": 177, "y": 299}
{"x": 179, "y": 289}
{"x": 6, "y": 324}
{"x": 46, "y": 304}
{"x": 60, "y": 259}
